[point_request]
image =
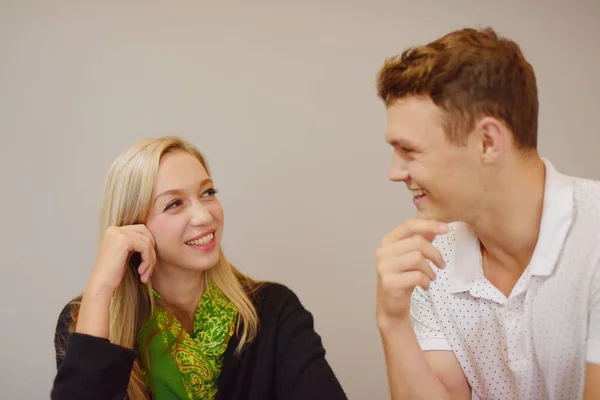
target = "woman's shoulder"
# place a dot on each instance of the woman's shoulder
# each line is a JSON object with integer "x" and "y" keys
{"x": 273, "y": 297}
{"x": 266, "y": 291}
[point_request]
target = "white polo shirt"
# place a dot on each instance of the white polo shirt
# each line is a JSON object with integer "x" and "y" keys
{"x": 535, "y": 343}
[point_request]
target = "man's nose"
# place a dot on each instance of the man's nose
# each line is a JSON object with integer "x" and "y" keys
{"x": 398, "y": 169}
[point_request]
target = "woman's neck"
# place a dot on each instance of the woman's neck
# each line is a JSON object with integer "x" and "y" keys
{"x": 179, "y": 288}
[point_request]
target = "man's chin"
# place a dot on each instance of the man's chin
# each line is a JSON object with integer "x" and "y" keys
{"x": 430, "y": 214}
{"x": 425, "y": 214}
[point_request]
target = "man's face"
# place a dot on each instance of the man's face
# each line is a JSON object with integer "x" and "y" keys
{"x": 445, "y": 178}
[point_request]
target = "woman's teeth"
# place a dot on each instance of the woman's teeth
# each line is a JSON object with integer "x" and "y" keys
{"x": 419, "y": 193}
{"x": 202, "y": 241}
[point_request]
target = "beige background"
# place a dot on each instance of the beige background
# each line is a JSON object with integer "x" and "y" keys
{"x": 281, "y": 98}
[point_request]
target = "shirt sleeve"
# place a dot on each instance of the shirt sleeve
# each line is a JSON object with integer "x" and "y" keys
{"x": 593, "y": 338}
{"x": 89, "y": 367}
{"x": 426, "y": 323}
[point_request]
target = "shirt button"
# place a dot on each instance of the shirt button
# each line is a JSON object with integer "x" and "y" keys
{"x": 510, "y": 315}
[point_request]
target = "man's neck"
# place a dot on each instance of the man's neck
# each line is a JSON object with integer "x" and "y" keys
{"x": 508, "y": 228}
{"x": 180, "y": 288}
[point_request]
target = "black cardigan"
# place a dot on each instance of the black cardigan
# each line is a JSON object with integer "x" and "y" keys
{"x": 286, "y": 360}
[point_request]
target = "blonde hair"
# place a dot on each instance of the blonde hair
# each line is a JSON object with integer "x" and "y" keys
{"x": 127, "y": 198}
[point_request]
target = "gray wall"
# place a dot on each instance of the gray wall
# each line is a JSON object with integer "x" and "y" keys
{"x": 281, "y": 99}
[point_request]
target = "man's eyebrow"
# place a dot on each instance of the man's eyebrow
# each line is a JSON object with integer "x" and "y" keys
{"x": 402, "y": 143}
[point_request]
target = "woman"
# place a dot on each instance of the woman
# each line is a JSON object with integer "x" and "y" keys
{"x": 164, "y": 315}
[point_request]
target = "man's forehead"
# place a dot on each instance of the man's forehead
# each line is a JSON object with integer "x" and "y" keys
{"x": 399, "y": 131}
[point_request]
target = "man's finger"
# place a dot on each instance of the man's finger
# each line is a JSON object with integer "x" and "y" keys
{"x": 426, "y": 227}
{"x": 415, "y": 244}
{"x": 430, "y": 252}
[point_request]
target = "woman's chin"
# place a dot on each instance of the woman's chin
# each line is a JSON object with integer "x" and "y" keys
{"x": 198, "y": 261}
{"x": 204, "y": 263}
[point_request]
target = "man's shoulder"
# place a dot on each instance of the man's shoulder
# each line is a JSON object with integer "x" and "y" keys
{"x": 586, "y": 204}
{"x": 586, "y": 192}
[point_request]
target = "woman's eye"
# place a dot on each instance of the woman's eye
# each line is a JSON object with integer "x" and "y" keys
{"x": 173, "y": 204}
{"x": 209, "y": 192}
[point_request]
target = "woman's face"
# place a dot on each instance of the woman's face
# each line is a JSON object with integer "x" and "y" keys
{"x": 185, "y": 218}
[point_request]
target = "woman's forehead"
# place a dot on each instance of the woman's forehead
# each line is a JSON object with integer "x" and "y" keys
{"x": 179, "y": 169}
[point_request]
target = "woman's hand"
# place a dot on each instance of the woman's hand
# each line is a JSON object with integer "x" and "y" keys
{"x": 118, "y": 246}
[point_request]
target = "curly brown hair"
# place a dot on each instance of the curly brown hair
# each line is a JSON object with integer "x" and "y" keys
{"x": 469, "y": 74}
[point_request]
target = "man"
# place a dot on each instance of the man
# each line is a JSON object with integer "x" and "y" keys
{"x": 494, "y": 288}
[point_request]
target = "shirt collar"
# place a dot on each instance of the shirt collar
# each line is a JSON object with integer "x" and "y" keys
{"x": 464, "y": 268}
{"x": 557, "y": 215}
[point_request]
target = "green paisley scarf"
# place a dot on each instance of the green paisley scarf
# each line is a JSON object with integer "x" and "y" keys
{"x": 179, "y": 365}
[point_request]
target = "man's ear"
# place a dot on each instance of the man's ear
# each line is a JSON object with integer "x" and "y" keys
{"x": 493, "y": 137}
